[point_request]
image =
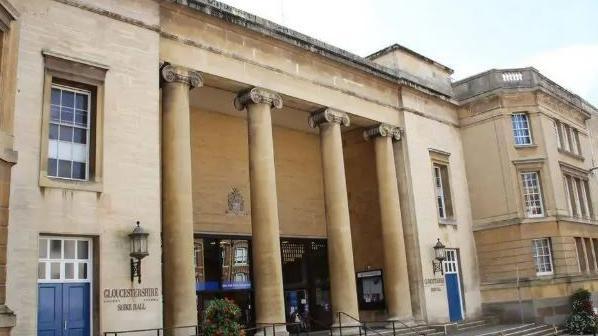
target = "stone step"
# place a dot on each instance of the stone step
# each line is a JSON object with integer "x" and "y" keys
{"x": 472, "y": 325}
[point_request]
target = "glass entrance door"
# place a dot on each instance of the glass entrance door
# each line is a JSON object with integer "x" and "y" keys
{"x": 306, "y": 282}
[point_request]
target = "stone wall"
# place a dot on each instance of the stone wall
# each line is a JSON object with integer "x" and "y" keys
{"x": 220, "y": 163}
{"x": 131, "y": 176}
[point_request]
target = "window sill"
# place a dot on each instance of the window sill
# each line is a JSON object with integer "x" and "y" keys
{"x": 571, "y": 154}
{"x": 48, "y": 182}
{"x": 526, "y": 146}
{"x": 448, "y": 221}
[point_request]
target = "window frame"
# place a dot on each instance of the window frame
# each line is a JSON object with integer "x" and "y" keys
{"x": 577, "y": 190}
{"x": 536, "y": 256}
{"x": 530, "y": 136}
{"x": 539, "y": 192}
{"x": 62, "y": 69}
{"x": 440, "y": 163}
{"x": 245, "y": 257}
{"x": 87, "y": 129}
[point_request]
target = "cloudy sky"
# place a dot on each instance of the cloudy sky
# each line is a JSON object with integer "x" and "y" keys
{"x": 558, "y": 37}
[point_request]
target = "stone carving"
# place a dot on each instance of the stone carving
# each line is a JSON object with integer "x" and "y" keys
{"x": 383, "y": 130}
{"x": 560, "y": 107}
{"x": 257, "y": 95}
{"x": 171, "y": 73}
{"x": 235, "y": 203}
{"x": 328, "y": 116}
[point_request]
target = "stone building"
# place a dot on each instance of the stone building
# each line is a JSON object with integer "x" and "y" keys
{"x": 530, "y": 150}
{"x": 269, "y": 168}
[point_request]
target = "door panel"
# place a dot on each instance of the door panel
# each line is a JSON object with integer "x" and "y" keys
{"x": 454, "y": 299}
{"x": 76, "y": 308}
{"x": 63, "y": 309}
{"x": 49, "y": 310}
{"x": 453, "y": 285}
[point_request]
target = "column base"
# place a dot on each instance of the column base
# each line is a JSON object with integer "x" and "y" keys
{"x": 8, "y": 319}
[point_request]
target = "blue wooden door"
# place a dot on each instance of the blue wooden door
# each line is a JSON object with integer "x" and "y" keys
{"x": 49, "y": 309}
{"x": 63, "y": 309}
{"x": 454, "y": 297}
{"x": 453, "y": 285}
{"x": 75, "y": 307}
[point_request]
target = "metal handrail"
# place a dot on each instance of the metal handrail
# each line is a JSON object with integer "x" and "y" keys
{"x": 364, "y": 325}
{"x": 159, "y": 331}
{"x": 266, "y": 326}
{"x": 360, "y": 326}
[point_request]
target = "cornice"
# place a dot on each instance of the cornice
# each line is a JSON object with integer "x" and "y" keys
{"x": 329, "y": 115}
{"x": 177, "y": 74}
{"x": 383, "y": 130}
{"x": 257, "y": 95}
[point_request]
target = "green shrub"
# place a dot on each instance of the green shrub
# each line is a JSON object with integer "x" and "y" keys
{"x": 221, "y": 319}
{"x": 582, "y": 319}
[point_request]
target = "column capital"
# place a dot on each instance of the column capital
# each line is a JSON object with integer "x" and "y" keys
{"x": 172, "y": 73}
{"x": 328, "y": 115}
{"x": 257, "y": 95}
{"x": 383, "y": 130}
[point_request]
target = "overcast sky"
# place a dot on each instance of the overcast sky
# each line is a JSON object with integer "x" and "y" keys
{"x": 558, "y": 37}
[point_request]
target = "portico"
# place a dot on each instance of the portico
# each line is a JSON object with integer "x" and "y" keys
{"x": 269, "y": 124}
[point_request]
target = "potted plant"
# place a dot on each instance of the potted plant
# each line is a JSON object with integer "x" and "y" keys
{"x": 221, "y": 318}
{"x": 582, "y": 319}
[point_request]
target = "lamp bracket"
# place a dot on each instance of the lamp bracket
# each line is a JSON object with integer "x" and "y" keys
{"x": 136, "y": 270}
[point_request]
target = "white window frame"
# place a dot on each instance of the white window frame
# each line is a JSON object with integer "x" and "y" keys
{"x": 557, "y": 133}
{"x": 581, "y": 208}
{"x": 245, "y": 277}
{"x": 565, "y": 135}
{"x": 63, "y": 261}
{"x": 527, "y": 195}
{"x": 575, "y": 149}
{"x": 87, "y": 132}
{"x": 537, "y": 256}
{"x": 244, "y": 256}
{"x": 439, "y": 190}
{"x": 517, "y": 120}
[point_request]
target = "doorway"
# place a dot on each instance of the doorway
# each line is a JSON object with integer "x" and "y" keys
{"x": 64, "y": 286}
{"x": 306, "y": 283}
{"x": 453, "y": 285}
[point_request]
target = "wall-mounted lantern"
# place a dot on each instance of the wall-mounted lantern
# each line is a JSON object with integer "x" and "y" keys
{"x": 440, "y": 255}
{"x": 138, "y": 240}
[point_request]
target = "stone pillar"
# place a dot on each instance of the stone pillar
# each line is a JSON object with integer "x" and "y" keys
{"x": 396, "y": 281}
{"x": 343, "y": 288}
{"x": 178, "y": 271}
{"x": 267, "y": 264}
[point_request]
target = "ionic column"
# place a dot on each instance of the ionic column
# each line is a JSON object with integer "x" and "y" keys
{"x": 177, "y": 209}
{"x": 267, "y": 265}
{"x": 340, "y": 251}
{"x": 396, "y": 282}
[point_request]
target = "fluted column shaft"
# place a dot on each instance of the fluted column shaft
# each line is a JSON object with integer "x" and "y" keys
{"x": 267, "y": 265}
{"x": 180, "y": 307}
{"x": 396, "y": 282}
{"x": 340, "y": 251}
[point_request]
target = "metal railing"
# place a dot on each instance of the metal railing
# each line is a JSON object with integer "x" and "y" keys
{"x": 192, "y": 330}
{"x": 270, "y": 329}
{"x": 196, "y": 330}
{"x": 360, "y": 326}
{"x": 364, "y": 329}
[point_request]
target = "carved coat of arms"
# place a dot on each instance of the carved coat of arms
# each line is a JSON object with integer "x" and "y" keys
{"x": 235, "y": 203}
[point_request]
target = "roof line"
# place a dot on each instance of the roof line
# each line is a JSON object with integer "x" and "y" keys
{"x": 396, "y": 46}
{"x": 268, "y": 28}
